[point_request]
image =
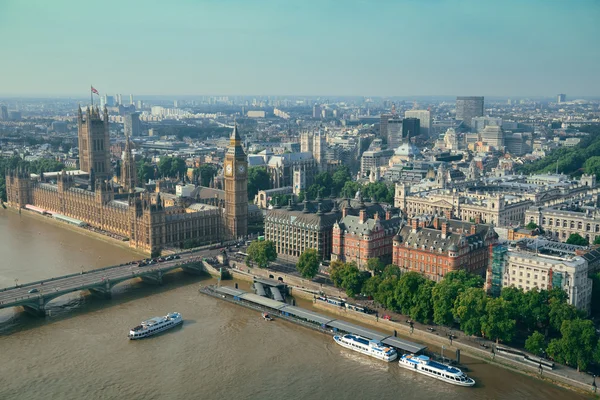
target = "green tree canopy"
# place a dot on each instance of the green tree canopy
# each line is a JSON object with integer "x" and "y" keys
{"x": 262, "y": 253}
{"x": 577, "y": 239}
{"x": 145, "y": 171}
{"x": 496, "y": 323}
{"x": 258, "y": 179}
{"x": 308, "y": 264}
{"x": 469, "y": 308}
{"x": 577, "y": 345}
{"x": 340, "y": 177}
{"x": 536, "y": 343}
{"x": 375, "y": 265}
{"x": 172, "y": 167}
{"x": 206, "y": 172}
{"x": 532, "y": 225}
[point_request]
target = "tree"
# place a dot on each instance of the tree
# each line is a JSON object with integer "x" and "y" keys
{"x": 422, "y": 308}
{"x": 597, "y": 240}
{"x": 258, "y": 179}
{"x": 577, "y": 345}
{"x": 156, "y": 252}
{"x": 577, "y": 239}
{"x": 347, "y": 276}
{"x": 371, "y": 285}
{"x": 206, "y": 172}
{"x": 375, "y": 266}
{"x": 172, "y": 167}
{"x": 406, "y": 291}
{"x": 145, "y": 171}
{"x": 536, "y": 343}
{"x": 532, "y": 225}
{"x": 496, "y": 323}
{"x": 336, "y": 272}
{"x": 340, "y": 177}
{"x": 469, "y": 308}
{"x": 445, "y": 293}
{"x": 350, "y": 188}
{"x": 560, "y": 311}
{"x": 391, "y": 271}
{"x": 262, "y": 253}
{"x": 308, "y": 264}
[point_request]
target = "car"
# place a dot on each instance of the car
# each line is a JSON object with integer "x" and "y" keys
{"x": 176, "y": 257}
{"x": 34, "y": 290}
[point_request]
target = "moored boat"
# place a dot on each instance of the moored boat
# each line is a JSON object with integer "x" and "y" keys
{"x": 444, "y": 372}
{"x": 155, "y": 325}
{"x": 368, "y": 347}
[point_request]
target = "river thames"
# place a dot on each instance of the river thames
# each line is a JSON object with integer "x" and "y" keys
{"x": 222, "y": 351}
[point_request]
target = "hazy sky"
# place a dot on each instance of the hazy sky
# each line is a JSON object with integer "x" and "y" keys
{"x": 306, "y": 47}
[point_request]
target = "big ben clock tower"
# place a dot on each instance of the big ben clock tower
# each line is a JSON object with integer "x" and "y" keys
{"x": 236, "y": 188}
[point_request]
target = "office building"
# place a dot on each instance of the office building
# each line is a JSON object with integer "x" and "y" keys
{"x": 467, "y": 108}
{"x": 478, "y": 124}
{"x": 383, "y": 124}
{"x": 394, "y": 132}
{"x": 561, "y": 98}
{"x": 493, "y": 136}
{"x": 542, "y": 265}
{"x": 132, "y": 125}
{"x": 424, "y": 117}
{"x": 3, "y": 113}
{"x": 411, "y": 127}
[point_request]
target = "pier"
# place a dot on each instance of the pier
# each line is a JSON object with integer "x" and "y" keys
{"x": 308, "y": 318}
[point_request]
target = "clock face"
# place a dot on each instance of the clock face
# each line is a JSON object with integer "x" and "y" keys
{"x": 241, "y": 168}
{"x": 228, "y": 169}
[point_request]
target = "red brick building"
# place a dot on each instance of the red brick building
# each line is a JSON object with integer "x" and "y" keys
{"x": 435, "y": 246}
{"x": 358, "y": 238}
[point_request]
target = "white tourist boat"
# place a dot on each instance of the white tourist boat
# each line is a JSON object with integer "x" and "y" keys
{"x": 363, "y": 345}
{"x": 424, "y": 365}
{"x": 155, "y": 325}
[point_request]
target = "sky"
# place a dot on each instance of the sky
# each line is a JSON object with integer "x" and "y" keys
{"x": 300, "y": 47}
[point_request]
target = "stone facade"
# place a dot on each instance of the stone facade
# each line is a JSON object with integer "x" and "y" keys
{"x": 146, "y": 219}
{"x": 562, "y": 223}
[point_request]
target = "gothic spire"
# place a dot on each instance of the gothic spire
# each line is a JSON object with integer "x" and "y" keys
{"x": 235, "y": 134}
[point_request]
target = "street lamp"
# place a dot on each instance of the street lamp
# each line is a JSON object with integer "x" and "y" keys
{"x": 443, "y": 347}
{"x": 16, "y": 282}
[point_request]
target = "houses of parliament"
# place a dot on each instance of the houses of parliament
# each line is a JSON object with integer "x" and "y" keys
{"x": 120, "y": 206}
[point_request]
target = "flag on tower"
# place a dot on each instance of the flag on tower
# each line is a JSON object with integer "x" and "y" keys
{"x": 95, "y": 91}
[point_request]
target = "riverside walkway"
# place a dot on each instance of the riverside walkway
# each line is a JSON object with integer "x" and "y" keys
{"x": 34, "y": 296}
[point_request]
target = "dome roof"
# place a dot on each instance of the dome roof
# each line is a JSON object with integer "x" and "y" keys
{"x": 407, "y": 150}
{"x": 453, "y": 247}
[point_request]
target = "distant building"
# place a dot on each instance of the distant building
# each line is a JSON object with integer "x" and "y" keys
{"x": 14, "y": 115}
{"x": 468, "y": 108}
{"x": 59, "y": 126}
{"x": 372, "y": 160}
{"x": 3, "y": 113}
{"x": 411, "y": 127}
{"x": 424, "y": 117}
{"x": 478, "y": 124}
{"x": 132, "y": 125}
{"x": 394, "y": 132}
{"x": 493, "y": 136}
{"x": 256, "y": 114}
{"x": 316, "y": 111}
{"x": 561, "y": 98}
{"x": 383, "y": 124}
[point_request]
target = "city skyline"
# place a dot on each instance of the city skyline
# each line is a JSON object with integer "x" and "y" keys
{"x": 233, "y": 48}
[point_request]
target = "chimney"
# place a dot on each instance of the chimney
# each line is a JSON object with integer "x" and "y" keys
{"x": 344, "y": 212}
{"x": 376, "y": 217}
{"x": 362, "y": 215}
{"x": 414, "y": 223}
{"x": 444, "y": 230}
{"x": 473, "y": 229}
{"x": 388, "y": 215}
{"x": 436, "y": 223}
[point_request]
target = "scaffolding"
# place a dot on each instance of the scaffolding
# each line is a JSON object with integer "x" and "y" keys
{"x": 497, "y": 270}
